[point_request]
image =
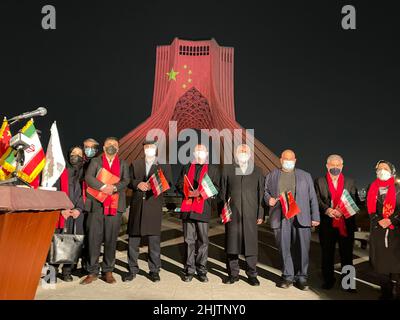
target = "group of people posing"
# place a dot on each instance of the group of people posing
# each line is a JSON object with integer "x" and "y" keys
{"x": 250, "y": 195}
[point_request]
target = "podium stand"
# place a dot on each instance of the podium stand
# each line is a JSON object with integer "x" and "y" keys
{"x": 27, "y": 221}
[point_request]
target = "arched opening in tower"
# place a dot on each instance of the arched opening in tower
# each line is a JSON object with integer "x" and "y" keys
{"x": 192, "y": 111}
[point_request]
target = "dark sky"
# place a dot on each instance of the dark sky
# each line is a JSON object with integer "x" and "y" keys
{"x": 301, "y": 81}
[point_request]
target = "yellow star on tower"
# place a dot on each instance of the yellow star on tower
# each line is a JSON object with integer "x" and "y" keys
{"x": 172, "y": 75}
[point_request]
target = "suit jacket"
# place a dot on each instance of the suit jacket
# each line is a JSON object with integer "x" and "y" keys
{"x": 324, "y": 201}
{"x": 92, "y": 204}
{"x": 305, "y": 197}
{"x": 145, "y": 215}
{"x": 215, "y": 176}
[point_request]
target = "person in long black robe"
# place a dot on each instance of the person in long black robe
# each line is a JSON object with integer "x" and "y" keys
{"x": 245, "y": 189}
{"x": 385, "y": 240}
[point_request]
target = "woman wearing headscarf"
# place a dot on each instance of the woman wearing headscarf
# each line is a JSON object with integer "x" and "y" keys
{"x": 70, "y": 183}
{"x": 383, "y": 204}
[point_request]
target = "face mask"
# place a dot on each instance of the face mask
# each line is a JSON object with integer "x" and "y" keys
{"x": 150, "y": 152}
{"x": 111, "y": 150}
{"x": 243, "y": 157}
{"x": 75, "y": 160}
{"x": 335, "y": 171}
{"x": 383, "y": 175}
{"x": 288, "y": 165}
{"x": 90, "y": 152}
{"x": 202, "y": 155}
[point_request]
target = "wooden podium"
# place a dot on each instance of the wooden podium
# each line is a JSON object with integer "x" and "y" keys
{"x": 27, "y": 221}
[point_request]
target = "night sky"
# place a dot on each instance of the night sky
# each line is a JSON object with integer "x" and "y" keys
{"x": 301, "y": 81}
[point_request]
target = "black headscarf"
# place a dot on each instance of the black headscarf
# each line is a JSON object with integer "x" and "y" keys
{"x": 75, "y": 172}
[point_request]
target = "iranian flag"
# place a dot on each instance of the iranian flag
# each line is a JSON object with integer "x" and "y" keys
{"x": 158, "y": 183}
{"x": 289, "y": 205}
{"x": 208, "y": 189}
{"x": 347, "y": 206}
{"x": 226, "y": 212}
{"x": 34, "y": 156}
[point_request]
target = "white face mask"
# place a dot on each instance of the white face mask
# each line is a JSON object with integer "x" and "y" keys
{"x": 288, "y": 165}
{"x": 202, "y": 155}
{"x": 383, "y": 175}
{"x": 243, "y": 157}
{"x": 150, "y": 152}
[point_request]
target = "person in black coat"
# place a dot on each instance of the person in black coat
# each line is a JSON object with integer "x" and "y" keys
{"x": 104, "y": 218}
{"x": 243, "y": 184}
{"x": 334, "y": 228}
{"x": 383, "y": 204}
{"x": 69, "y": 182}
{"x": 196, "y": 213}
{"x": 145, "y": 213}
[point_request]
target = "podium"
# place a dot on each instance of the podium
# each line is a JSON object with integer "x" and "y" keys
{"x": 27, "y": 221}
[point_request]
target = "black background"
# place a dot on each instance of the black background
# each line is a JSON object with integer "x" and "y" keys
{"x": 301, "y": 81}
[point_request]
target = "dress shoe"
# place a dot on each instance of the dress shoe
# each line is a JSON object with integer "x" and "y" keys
{"x": 232, "y": 279}
{"x": 108, "y": 277}
{"x": 154, "y": 276}
{"x": 302, "y": 285}
{"x": 203, "y": 278}
{"x": 187, "y": 277}
{"x": 89, "y": 279}
{"x": 129, "y": 277}
{"x": 67, "y": 278}
{"x": 253, "y": 281}
{"x": 284, "y": 284}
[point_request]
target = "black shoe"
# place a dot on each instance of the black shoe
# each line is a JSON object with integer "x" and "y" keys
{"x": 154, "y": 276}
{"x": 302, "y": 285}
{"x": 187, "y": 277}
{"x": 203, "y": 278}
{"x": 231, "y": 279}
{"x": 67, "y": 278}
{"x": 129, "y": 277}
{"x": 284, "y": 284}
{"x": 328, "y": 285}
{"x": 253, "y": 281}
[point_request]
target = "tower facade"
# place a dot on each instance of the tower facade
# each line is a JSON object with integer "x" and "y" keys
{"x": 194, "y": 85}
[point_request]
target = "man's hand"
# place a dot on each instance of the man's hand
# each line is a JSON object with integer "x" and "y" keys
{"x": 272, "y": 202}
{"x": 384, "y": 223}
{"x": 108, "y": 189}
{"x": 194, "y": 193}
{"x": 66, "y": 213}
{"x": 330, "y": 213}
{"x": 143, "y": 186}
{"x": 260, "y": 221}
{"x": 337, "y": 213}
{"x": 314, "y": 223}
{"x": 75, "y": 213}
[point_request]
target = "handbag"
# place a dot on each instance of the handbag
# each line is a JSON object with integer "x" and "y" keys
{"x": 66, "y": 248}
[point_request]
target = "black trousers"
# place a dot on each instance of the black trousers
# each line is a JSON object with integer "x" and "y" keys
{"x": 232, "y": 265}
{"x": 154, "y": 259}
{"x": 195, "y": 235}
{"x": 328, "y": 237}
{"x": 102, "y": 228}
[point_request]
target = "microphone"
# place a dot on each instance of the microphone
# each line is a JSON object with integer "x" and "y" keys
{"x": 38, "y": 112}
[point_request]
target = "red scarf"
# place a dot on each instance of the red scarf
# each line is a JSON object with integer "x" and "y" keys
{"x": 64, "y": 186}
{"x": 111, "y": 203}
{"x": 196, "y": 204}
{"x": 390, "y": 200}
{"x": 336, "y": 193}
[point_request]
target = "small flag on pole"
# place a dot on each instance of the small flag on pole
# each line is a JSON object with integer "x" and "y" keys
{"x": 208, "y": 189}
{"x": 226, "y": 212}
{"x": 347, "y": 206}
{"x": 289, "y": 205}
{"x": 158, "y": 183}
{"x": 5, "y": 137}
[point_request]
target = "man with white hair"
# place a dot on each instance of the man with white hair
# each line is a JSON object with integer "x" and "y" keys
{"x": 334, "y": 227}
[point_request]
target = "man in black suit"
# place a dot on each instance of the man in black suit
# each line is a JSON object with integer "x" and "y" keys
{"x": 196, "y": 213}
{"x": 334, "y": 228}
{"x": 145, "y": 212}
{"x": 104, "y": 217}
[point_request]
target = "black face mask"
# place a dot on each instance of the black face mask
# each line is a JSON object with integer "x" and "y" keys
{"x": 111, "y": 150}
{"x": 335, "y": 171}
{"x": 76, "y": 160}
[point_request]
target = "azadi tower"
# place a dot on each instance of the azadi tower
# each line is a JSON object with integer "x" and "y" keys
{"x": 194, "y": 85}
